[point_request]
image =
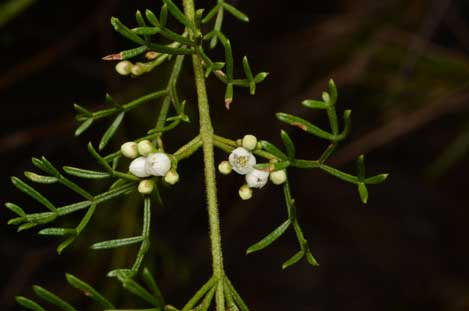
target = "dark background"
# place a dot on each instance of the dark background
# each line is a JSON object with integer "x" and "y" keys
{"x": 401, "y": 65}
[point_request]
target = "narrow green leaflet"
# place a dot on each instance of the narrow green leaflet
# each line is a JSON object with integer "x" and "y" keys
{"x": 377, "y": 179}
{"x": 126, "y": 32}
{"x": 15, "y": 209}
{"x": 339, "y": 174}
{"x": 89, "y": 291}
{"x": 269, "y": 239}
{"x": 304, "y": 125}
{"x": 249, "y": 76}
{"x": 83, "y": 127}
{"x": 137, "y": 290}
{"x": 29, "y": 304}
{"x": 88, "y": 174}
{"x": 288, "y": 143}
{"x": 314, "y": 104}
{"x": 235, "y": 12}
{"x": 117, "y": 243}
{"x": 111, "y": 130}
{"x": 65, "y": 244}
{"x": 52, "y": 298}
{"x": 310, "y": 258}
{"x": 269, "y": 147}
{"x": 57, "y": 231}
{"x": 153, "y": 286}
{"x": 237, "y": 297}
{"x": 33, "y": 193}
{"x": 293, "y": 260}
{"x": 174, "y": 10}
{"x": 363, "y": 191}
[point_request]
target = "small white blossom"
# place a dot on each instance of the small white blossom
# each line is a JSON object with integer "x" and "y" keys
{"x": 278, "y": 177}
{"x": 249, "y": 142}
{"x": 257, "y": 178}
{"x": 225, "y": 167}
{"x": 158, "y": 164}
{"x": 146, "y": 186}
{"x": 171, "y": 177}
{"x": 129, "y": 150}
{"x": 245, "y": 193}
{"x": 145, "y": 147}
{"x": 124, "y": 67}
{"x": 242, "y": 160}
{"x": 138, "y": 167}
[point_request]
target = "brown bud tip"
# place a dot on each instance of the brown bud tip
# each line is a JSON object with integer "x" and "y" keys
{"x": 228, "y": 102}
{"x": 117, "y": 56}
{"x": 151, "y": 55}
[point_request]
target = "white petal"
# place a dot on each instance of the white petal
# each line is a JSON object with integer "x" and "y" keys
{"x": 257, "y": 178}
{"x": 138, "y": 167}
{"x": 158, "y": 164}
{"x": 242, "y": 160}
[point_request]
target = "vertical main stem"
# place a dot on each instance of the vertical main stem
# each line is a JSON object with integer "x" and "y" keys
{"x": 206, "y": 135}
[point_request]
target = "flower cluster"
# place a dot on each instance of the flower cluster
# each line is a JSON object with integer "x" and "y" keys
{"x": 148, "y": 161}
{"x": 242, "y": 161}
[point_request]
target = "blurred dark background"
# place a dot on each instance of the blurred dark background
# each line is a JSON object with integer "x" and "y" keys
{"x": 402, "y": 66}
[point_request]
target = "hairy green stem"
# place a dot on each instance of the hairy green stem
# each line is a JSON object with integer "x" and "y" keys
{"x": 206, "y": 135}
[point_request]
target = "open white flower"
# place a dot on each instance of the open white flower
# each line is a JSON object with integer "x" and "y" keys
{"x": 158, "y": 164}
{"x": 242, "y": 160}
{"x": 257, "y": 178}
{"x": 138, "y": 167}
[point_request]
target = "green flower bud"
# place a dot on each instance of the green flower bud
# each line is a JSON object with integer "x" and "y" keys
{"x": 145, "y": 147}
{"x": 138, "y": 69}
{"x": 124, "y": 67}
{"x": 225, "y": 167}
{"x": 245, "y": 193}
{"x": 249, "y": 142}
{"x": 171, "y": 177}
{"x": 146, "y": 186}
{"x": 278, "y": 177}
{"x": 129, "y": 150}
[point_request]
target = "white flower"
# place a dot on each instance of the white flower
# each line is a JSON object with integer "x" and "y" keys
{"x": 138, "y": 167}
{"x": 245, "y": 193}
{"x": 225, "y": 167}
{"x": 242, "y": 160}
{"x": 257, "y": 178}
{"x": 278, "y": 177}
{"x": 145, "y": 147}
{"x": 124, "y": 67}
{"x": 129, "y": 150}
{"x": 146, "y": 186}
{"x": 158, "y": 164}
{"x": 249, "y": 142}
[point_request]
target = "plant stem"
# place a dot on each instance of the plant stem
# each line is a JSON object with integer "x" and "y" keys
{"x": 206, "y": 134}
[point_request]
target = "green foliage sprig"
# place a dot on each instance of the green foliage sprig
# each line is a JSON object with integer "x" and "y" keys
{"x": 152, "y": 165}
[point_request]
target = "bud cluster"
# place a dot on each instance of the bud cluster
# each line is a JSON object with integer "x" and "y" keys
{"x": 242, "y": 161}
{"x": 148, "y": 161}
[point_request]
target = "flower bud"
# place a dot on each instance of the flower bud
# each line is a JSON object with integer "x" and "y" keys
{"x": 146, "y": 186}
{"x": 225, "y": 167}
{"x": 242, "y": 160}
{"x": 278, "y": 177}
{"x": 129, "y": 150}
{"x": 257, "y": 178}
{"x": 138, "y": 69}
{"x": 124, "y": 67}
{"x": 249, "y": 142}
{"x": 171, "y": 177}
{"x": 138, "y": 167}
{"x": 245, "y": 193}
{"x": 145, "y": 147}
{"x": 158, "y": 164}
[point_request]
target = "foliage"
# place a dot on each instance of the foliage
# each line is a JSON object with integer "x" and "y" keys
{"x": 191, "y": 42}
